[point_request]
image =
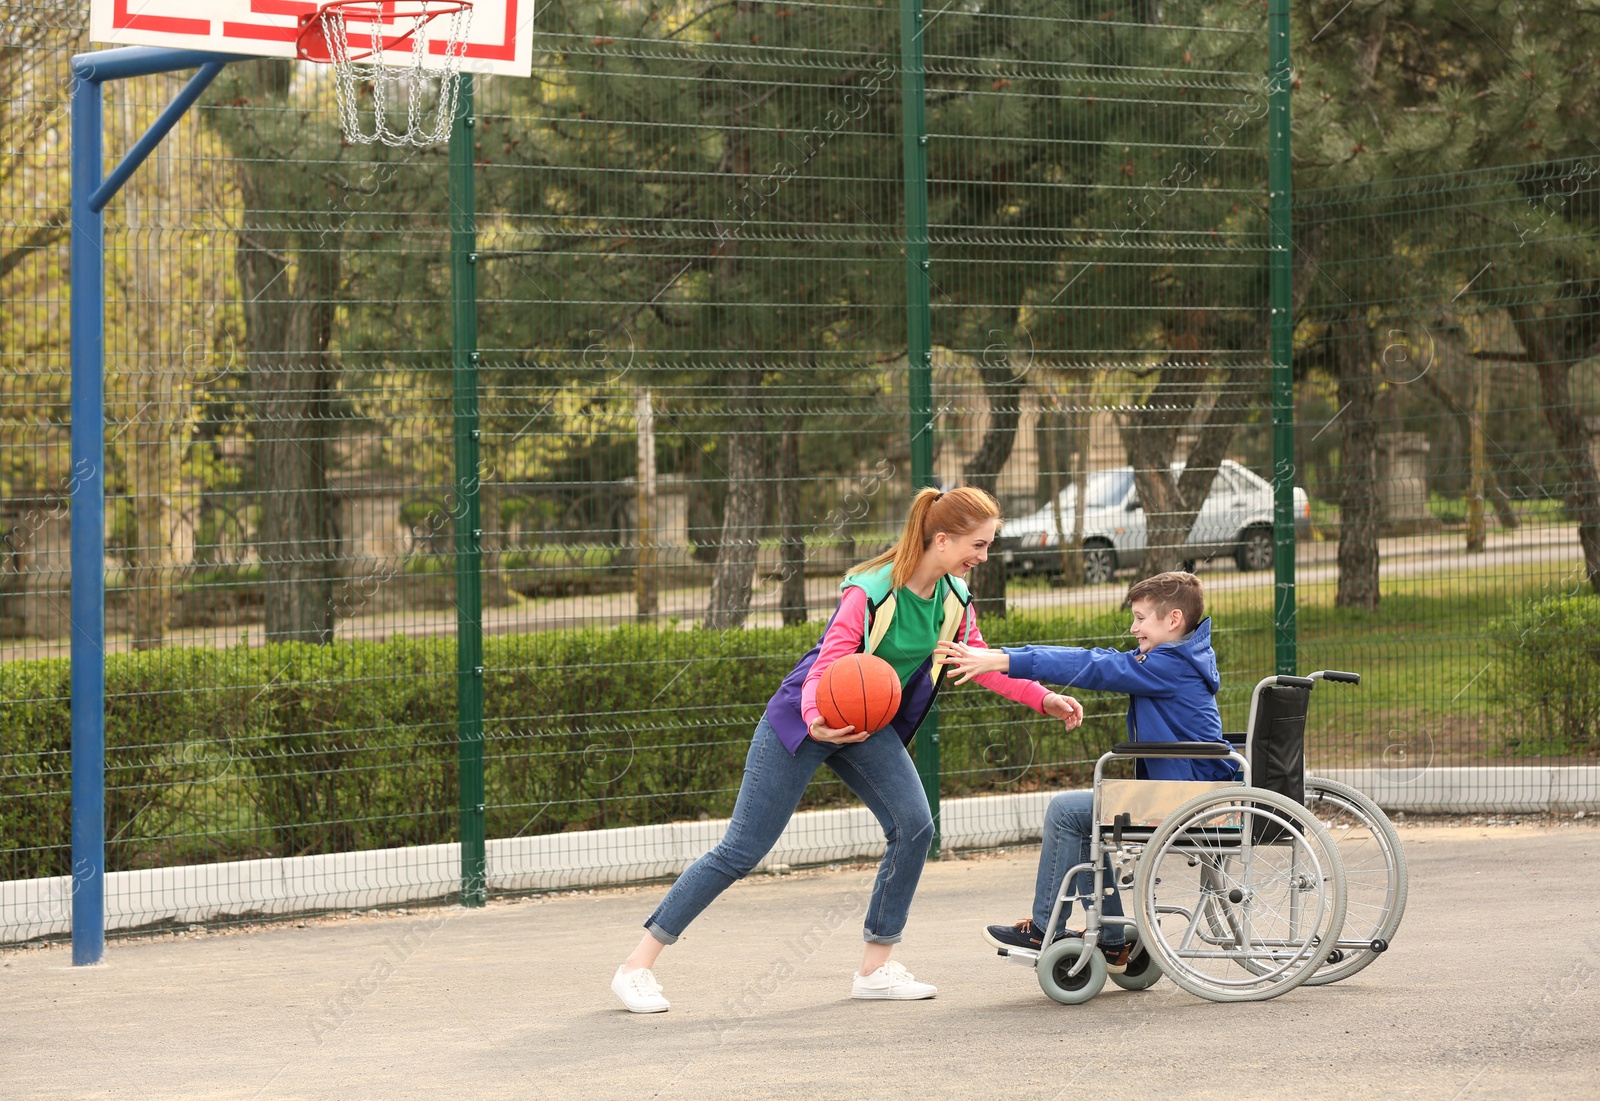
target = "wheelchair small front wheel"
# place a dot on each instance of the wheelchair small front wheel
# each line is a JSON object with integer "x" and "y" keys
{"x": 1054, "y": 966}
{"x": 1143, "y": 972}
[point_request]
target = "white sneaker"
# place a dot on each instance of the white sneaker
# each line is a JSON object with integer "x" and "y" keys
{"x": 891, "y": 982}
{"x": 639, "y": 991}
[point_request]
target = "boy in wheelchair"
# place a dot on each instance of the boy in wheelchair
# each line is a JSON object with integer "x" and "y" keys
{"x": 1171, "y": 680}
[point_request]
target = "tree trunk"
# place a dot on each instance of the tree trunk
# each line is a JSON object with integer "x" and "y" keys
{"x": 1543, "y": 339}
{"x": 743, "y": 512}
{"x": 288, "y": 329}
{"x": 160, "y": 426}
{"x": 1002, "y": 386}
{"x": 1150, "y": 435}
{"x": 1063, "y": 454}
{"x": 1464, "y": 419}
{"x": 1358, "y": 465}
{"x": 644, "y": 568}
{"x": 293, "y": 423}
{"x": 792, "y": 600}
{"x": 1477, "y": 460}
{"x": 1079, "y": 419}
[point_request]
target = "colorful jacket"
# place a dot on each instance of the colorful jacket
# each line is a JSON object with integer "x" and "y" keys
{"x": 866, "y": 609}
{"x": 1172, "y": 694}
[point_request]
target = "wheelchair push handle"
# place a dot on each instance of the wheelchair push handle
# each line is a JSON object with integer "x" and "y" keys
{"x": 1172, "y": 749}
{"x": 1337, "y": 676}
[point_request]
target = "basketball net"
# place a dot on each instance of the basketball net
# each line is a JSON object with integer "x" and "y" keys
{"x": 377, "y": 49}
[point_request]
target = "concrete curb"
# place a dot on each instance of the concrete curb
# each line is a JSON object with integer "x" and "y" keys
{"x": 1466, "y": 790}
{"x": 384, "y": 877}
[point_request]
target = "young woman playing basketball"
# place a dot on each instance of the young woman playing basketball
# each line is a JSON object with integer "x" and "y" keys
{"x": 898, "y": 606}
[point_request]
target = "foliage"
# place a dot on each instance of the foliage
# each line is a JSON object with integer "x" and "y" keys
{"x": 353, "y": 745}
{"x": 1546, "y": 656}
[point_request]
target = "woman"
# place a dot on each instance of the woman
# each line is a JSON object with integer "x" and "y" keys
{"x": 899, "y": 606}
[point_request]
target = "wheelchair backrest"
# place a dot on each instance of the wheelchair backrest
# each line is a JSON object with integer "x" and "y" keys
{"x": 1277, "y": 741}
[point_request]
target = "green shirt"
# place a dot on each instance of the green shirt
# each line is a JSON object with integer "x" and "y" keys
{"x": 913, "y": 632}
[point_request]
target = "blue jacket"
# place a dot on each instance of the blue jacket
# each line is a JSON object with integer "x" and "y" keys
{"x": 1172, "y": 694}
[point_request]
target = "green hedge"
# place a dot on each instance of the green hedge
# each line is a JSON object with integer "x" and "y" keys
{"x": 291, "y": 749}
{"x": 1546, "y": 666}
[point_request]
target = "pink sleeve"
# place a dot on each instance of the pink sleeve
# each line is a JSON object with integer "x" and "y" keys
{"x": 1029, "y": 693}
{"x": 843, "y": 636}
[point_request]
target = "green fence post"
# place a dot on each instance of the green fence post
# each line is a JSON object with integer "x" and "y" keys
{"x": 1282, "y": 337}
{"x": 919, "y": 342}
{"x": 468, "y": 527}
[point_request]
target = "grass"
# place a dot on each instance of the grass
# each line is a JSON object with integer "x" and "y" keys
{"x": 1424, "y": 697}
{"x": 1427, "y": 696}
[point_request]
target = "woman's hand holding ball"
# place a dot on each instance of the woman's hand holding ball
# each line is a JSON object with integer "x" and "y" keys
{"x": 843, "y": 735}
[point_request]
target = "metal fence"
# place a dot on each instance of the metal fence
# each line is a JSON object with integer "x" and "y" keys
{"x": 1445, "y": 349}
{"x": 738, "y": 280}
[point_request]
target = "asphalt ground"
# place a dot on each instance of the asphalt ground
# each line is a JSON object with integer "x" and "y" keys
{"x": 1491, "y": 990}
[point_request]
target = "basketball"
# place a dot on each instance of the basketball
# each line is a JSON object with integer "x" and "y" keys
{"x": 859, "y": 690}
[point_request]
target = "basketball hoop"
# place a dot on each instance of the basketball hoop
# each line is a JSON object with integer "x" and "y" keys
{"x": 362, "y": 40}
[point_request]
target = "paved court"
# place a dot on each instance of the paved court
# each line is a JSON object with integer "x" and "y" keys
{"x": 1492, "y": 990}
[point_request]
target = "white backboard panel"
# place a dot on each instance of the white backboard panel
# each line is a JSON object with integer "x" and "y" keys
{"x": 500, "y": 39}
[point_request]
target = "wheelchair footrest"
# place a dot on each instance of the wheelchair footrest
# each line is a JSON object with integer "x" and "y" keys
{"x": 1027, "y": 957}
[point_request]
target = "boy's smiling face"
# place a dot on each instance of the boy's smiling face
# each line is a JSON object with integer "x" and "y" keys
{"x": 1152, "y": 628}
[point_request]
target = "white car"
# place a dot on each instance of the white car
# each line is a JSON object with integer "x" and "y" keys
{"x": 1236, "y": 519}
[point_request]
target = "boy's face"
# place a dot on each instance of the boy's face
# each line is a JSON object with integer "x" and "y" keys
{"x": 1152, "y": 628}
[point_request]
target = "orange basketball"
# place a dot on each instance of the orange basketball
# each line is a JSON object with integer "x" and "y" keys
{"x": 859, "y": 690}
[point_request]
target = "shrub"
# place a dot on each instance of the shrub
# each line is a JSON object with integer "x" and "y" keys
{"x": 1546, "y": 663}
{"x": 291, "y": 749}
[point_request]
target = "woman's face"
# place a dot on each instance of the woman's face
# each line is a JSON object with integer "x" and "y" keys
{"x": 958, "y": 554}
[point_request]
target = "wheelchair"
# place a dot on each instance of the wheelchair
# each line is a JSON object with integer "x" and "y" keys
{"x": 1241, "y": 889}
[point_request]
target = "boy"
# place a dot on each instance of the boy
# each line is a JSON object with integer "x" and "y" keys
{"x": 1171, "y": 681}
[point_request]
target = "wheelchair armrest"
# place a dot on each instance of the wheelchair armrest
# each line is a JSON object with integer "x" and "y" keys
{"x": 1237, "y": 740}
{"x": 1172, "y": 749}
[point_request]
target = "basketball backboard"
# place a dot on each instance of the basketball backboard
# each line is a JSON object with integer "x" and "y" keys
{"x": 500, "y": 38}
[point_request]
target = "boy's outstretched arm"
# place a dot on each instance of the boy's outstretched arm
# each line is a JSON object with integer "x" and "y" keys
{"x": 971, "y": 662}
{"x": 1096, "y": 667}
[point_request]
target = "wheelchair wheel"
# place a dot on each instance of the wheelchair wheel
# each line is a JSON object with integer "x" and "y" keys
{"x": 1374, "y": 875}
{"x": 1054, "y": 963}
{"x": 1239, "y": 894}
{"x": 1143, "y": 972}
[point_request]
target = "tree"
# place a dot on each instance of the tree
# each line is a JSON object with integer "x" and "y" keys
{"x": 1002, "y": 387}
{"x": 743, "y": 266}
{"x": 1352, "y": 354}
{"x": 1167, "y": 276}
{"x": 1403, "y": 89}
{"x": 34, "y": 99}
{"x": 289, "y": 262}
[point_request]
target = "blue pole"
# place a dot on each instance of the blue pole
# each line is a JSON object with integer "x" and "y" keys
{"x": 130, "y": 61}
{"x": 152, "y": 137}
{"x": 88, "y": 532}
{"x": 89, "y": 197}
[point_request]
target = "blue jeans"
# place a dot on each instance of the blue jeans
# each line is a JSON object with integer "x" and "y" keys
{"x": 878, "y": 770}
{"x": 1067, "y": 826}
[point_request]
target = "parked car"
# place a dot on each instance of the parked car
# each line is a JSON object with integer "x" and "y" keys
{"x": 1235, "y": 520}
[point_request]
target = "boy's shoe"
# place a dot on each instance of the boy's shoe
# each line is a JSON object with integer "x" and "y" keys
{"x": 1024, "y": 934}
{"x": 1116, "y": 957}
{"x": 639, "y": 991}
{"x": 891, "y": 982}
